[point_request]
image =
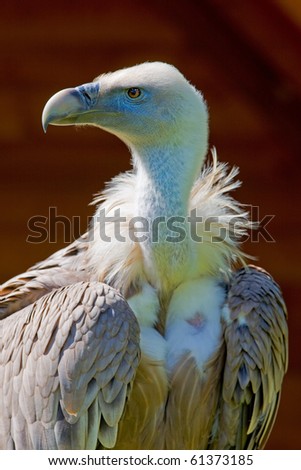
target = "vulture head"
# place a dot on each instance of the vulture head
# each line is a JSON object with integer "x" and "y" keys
{"x": 148, "y": 106}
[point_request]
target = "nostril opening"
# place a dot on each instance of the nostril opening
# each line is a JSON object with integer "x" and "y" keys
{"x": 88, "y": 93}
{"x": 87, "y": 96}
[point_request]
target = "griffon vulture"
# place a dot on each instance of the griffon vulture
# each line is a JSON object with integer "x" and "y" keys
{"x": 150, "y": 331}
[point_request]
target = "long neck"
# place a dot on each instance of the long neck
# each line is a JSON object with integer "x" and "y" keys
{"x": 164, "y": 181}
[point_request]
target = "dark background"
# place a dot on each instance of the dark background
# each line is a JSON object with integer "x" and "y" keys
{"x": 244, "y": 56}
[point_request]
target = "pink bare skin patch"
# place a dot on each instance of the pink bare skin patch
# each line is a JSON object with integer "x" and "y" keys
{"x": 197, "y": 321}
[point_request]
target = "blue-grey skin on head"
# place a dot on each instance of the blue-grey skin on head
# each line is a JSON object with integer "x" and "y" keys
{"x": 166, "y": 107}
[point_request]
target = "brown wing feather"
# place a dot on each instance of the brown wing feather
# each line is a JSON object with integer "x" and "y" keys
{"x": 142, "y": 426}
{"x": 256, "y": 337}
{"x": 193, "y": 401}
{"x": 66, "y": 365}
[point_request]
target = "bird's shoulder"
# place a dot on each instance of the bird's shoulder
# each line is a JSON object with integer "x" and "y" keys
{"x": 62, "y": 268}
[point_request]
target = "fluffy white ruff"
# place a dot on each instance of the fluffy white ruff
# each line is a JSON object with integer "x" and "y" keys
{"x": 120, "y": 264}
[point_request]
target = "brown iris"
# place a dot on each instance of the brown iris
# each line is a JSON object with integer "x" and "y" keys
{"x": 134, "y": 92}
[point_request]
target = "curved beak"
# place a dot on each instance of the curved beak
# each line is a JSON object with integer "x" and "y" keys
{"x": 67, "y": 106}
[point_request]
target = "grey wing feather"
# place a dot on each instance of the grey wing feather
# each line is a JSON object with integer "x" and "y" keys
{"x": 66, "y": 365}
{"x": 63, "y": 268}
{"x": 256, "y": 337}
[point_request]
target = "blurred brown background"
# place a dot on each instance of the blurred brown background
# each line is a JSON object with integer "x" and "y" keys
{"x": 245, "y": 57}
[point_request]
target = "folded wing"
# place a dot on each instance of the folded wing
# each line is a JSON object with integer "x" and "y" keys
{"x": 66, "y": 364}
{"x": 256, "y": 339}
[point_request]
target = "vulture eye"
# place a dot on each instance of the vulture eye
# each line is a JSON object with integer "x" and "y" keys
{"x": 134, "y": 93}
